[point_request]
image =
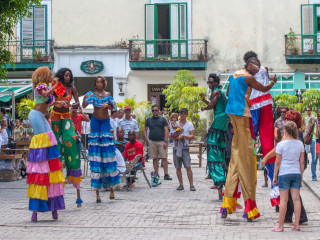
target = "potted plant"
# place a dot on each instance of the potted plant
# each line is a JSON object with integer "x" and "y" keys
{"x": 290, "y": 43}
{"x": 310, "y": 46}
{"x": 123, "y": 43}
{"x": 136, "y": 53}
{"x": 45, "y": 58}
{"x": 37, "y": 55}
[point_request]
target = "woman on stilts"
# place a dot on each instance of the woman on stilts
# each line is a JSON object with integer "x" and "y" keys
{"x": 45, "y": 177}
{"x": 216, "y": 143}
{"x": 63, "y": 128}
{"x": 101, "y": 146}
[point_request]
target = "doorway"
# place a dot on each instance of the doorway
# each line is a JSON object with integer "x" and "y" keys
{"x": 155, "y": 95}
{"x": 163, "y": 29}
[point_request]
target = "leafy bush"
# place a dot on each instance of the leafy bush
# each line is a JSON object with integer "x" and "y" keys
{"x": 24, "y": 108}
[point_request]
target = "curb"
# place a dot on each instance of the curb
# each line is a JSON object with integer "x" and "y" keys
{"x": 311, "y": 189}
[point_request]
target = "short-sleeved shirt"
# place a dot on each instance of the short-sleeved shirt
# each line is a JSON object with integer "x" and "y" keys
{"x": 156, "y": 126}
{"x": 186, "y": 131}
{"x": 290, "y": 151}
{"x": 119, "y": 147}
{"x": 128, "y": 125}
{"x": 279, "y": 123}
{"x": 77, "y": 120}
{"x": 132, "y": 150}
{"x": 114, "y": 125}
{"x": 308, "y": 121}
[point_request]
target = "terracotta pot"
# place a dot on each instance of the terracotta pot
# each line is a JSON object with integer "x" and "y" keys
{"x": 310, "y": 51}
{"x": 136, "y": 56}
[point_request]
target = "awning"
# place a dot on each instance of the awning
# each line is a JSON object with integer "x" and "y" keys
{"x": 299, "y": 81}
{"x": 19, "y": 91}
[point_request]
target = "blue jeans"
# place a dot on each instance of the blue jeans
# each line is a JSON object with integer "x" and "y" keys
{"x": 314, "y": 157}
{"x": 38, "y": 122}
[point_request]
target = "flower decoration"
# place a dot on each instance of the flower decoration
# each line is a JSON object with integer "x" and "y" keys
{"x": 60, "y": 89}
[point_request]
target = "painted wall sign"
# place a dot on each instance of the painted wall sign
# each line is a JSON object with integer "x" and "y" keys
{"x": 157, "y": 89}
{"x": 91, "y": 67}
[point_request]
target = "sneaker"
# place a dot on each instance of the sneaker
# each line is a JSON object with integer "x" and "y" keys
{"x": 314, "y": 179}
{"x": 167, "y": 177}
{"x": 192, "y": 188}
{"x": 180, "y": 188}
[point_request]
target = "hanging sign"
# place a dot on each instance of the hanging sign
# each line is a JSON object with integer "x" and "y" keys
{"x": 91, "y": 67}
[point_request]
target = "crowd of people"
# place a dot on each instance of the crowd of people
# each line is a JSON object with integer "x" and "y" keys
{"x": 111, "y": 136}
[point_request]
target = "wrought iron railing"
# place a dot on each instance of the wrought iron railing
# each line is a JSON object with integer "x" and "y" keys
{"x": 31, "y": 50}
{"x": 302, "y": 44}
{"x": 168, "y": 50}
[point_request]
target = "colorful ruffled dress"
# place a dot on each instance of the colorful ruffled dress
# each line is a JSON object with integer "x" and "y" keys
{"x": 45, "y": 177}
{"x": 66, "y": 138}
{"x": 101, "y": 147}
{"x": 216, "y": 142}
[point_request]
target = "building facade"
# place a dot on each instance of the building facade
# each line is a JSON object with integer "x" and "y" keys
{"x": 139, "y": 45}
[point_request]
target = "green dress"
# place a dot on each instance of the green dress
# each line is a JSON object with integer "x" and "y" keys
{"x": 216, "y": 144}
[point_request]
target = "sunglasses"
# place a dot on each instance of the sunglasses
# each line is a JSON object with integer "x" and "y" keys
{"x": 210, "y": 82}
{"x": 155, "y": 110}
{"x": 283, "y": 112}
{"x": 255, "y": 66}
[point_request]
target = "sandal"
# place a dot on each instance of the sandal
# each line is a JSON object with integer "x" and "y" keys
{"x": 275, "y": 229}
{"x": 295, "y": 229}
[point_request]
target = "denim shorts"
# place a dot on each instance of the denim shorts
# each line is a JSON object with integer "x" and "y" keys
{"x": 289, "y": 181}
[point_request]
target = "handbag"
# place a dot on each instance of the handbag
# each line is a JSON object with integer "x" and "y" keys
{"x": 308, "y": 137}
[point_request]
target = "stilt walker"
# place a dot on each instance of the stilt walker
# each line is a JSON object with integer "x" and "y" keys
{"x": 45, "y": 177}
{"x": 242, "y": 167}
{"x": 63, "y": 128}
{"x": 262, "y": 121}
{"x": 216, "y": 144}
{"x": 101, "y": 145}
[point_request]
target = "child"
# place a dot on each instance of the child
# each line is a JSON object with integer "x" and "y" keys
{"x": 289, "y": 167}
{"x": 3, "y": 132}
{"x": 175, "y": 129}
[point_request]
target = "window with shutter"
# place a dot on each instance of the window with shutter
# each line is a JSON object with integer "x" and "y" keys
{"x": 34, "y": 32}
{"x": 150, "y": 30}
{"x": 174, "y": 34}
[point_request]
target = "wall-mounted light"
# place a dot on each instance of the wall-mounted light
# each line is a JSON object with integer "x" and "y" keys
{"x": 120, "y": 89}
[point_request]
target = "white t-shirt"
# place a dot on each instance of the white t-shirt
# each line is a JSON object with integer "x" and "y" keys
{"x": 176, "y": 124}
{"x": 114, "y": 125}
{"x": 290, "y": 151}
{"x": 186, "y": 131}
{"x": 4, "y": 138}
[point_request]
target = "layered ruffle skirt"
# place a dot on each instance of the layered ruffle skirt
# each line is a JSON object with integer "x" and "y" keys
{"x": 45, "y": 177}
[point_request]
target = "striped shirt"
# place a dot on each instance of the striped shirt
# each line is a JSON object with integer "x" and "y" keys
{"x": 128, "y": 125}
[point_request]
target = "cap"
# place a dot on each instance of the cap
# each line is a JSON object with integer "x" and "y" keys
{"x": 127, "y": 107}
{"x": 184, "y": 110}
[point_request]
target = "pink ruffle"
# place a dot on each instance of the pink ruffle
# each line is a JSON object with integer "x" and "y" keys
{"x": 55, "y": 189}
{"x": 52, "y": 138}
{"x": 40, "y": 167}
{"x": 75, "y": 185}
{"x": 41, "y": 86}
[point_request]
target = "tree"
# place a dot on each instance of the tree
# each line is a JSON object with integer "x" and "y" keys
{"x": 311, "y": 99}
{"x": 10, "y": 13}
{"x": 183, "y": 93}
{"x": 24, "y": 108}
{"x": 132, "y": 103}
{"x": 286, "y": 100}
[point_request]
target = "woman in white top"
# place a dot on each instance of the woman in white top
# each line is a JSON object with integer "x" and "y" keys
{"x": 3, "y": 132}
{"x": 288, "y": 171}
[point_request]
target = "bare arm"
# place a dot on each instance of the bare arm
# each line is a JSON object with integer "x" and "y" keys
{"x": 252, "y": 82}
{"x": 214, "y": 99}
{"x": 48, "y": 93}
{"x": 145, "y": 133}
{"x": 191, "y": 136}
{"x": 276, "y": 169}
{"x": 269, "y": 155}
{"x": 75, "y": 96}
{"x": 302, "y": 163}
{"x": 227, "y": 93}
{"x": 86, "y": 117}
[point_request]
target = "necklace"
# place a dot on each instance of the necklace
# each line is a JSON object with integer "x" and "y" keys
{"x": 100, "y": 95}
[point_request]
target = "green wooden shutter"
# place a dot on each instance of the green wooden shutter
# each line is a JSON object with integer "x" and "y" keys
{"x": 307, "y": 27}
{"x": 150, "y": 31}
{"x": 174, "y": 29}
{"x": 183, "y": 30}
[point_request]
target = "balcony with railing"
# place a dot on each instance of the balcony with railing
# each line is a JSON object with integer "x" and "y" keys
{"x": 302, "y": 49}
{"x": 168, "y": 54}
{"x": 30, "y": 54}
